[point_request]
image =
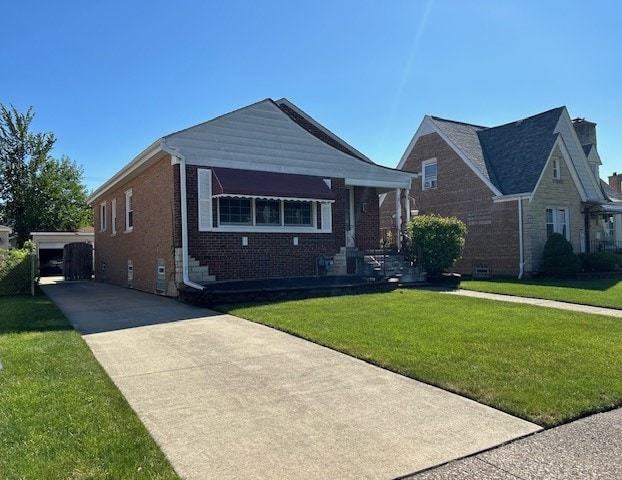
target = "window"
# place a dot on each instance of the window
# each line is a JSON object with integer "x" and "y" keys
{"x": 610, "y": 230}
{"x": 113, "y": 220}
{"x": 429, "y": 174}
{"x": 557, "y": 222}
{"x": 556, "y": 172}
{"x": 129, "y": 212}
{"x": 235, "y": 211}
{"x": 102, "y": 216}
{"x": 297, "y": 213}
{"x": 221, "y": 209}
{"x": 267, "y": 212}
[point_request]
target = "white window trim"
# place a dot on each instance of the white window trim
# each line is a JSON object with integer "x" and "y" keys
{"x": 313, "y": 228}
{"x": 556, "y": 228}
{"x": 113, "y": 216}
{"x": 434, "y": 185}
{"x": 206, "y": 221}
{"x": 102, "y": 217}
{"x": 128, "y": 194}
{"x": 556, "y": 169}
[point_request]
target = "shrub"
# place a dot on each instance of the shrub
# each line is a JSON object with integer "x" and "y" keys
{"x": 15, "y": 271}
{"x": 558, "y": 257}
{"x": 600, "y": 261}
{"x": 438, "y": 241}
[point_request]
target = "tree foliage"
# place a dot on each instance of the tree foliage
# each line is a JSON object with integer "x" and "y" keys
{"x": 437, "y": 240}
{"x": 37, "y": 191}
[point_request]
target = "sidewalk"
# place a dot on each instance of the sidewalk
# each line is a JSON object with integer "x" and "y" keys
{"x": 538, "y": 301}
{"x": 590, "y": 448}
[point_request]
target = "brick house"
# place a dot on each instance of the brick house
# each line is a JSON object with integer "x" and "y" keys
{"x": 261, "y": 192}
{"x": 512, "y": 185}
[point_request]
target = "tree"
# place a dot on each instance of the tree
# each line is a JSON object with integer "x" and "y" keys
{"x": 437, "y": 241}
{"x": 37, "y": 191}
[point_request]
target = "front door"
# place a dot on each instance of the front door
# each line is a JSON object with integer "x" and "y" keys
{"x": 349, "y": 212}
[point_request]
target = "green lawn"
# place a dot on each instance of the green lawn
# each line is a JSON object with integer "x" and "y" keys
{"x": 545, "y": 365}
{"x": 61, "y": 417}
{"x": 603, "y": 292}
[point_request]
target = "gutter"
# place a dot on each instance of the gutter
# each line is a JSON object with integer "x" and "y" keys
{"x": 521, "y": 253}
{"x": 180, "y": 160}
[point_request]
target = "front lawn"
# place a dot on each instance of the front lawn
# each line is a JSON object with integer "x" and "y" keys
{"x": 602, "y": 292}
{"x": 544, "y": 365}
{"x": 61, "y": 416}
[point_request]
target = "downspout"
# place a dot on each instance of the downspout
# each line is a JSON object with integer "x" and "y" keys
{"x": 521, "y": 253}
{"x": 181, "y": 161}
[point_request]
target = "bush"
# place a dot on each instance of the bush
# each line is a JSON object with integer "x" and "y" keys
{"x": 15, "y": 271}
{"x": 438, "y": 241}
{"x": 558, "y": 257}
{"x": 601, "y": 261}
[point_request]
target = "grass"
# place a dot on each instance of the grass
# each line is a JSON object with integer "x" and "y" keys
{"x": 604, "y": 292}
{"x": 61, "y": 417}
{"x": 544, "y": 365}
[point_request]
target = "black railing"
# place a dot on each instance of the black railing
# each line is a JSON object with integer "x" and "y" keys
{"x": 605, "y": 246}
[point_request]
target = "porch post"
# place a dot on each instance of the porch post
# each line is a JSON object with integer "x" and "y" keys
{"x": 398, "y": 217}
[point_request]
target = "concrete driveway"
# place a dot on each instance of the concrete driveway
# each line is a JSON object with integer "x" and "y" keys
{"x": 227, "y": 398}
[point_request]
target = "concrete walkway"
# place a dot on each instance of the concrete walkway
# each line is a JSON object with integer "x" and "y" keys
{"x": 537, "y": 301}
{"x": 227, "y": 398}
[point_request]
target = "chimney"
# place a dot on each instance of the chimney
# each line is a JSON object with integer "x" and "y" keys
{"x": 586, "y": 131}
{"x": 615, "y": 182}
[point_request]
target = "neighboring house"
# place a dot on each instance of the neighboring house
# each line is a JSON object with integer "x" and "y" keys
{"x": 261, "y": 192}
{"x": 5, "y": 233}
{"x": 512, "y": 185}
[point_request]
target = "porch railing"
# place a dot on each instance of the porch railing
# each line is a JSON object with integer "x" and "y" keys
{"x": 605, "y": 246}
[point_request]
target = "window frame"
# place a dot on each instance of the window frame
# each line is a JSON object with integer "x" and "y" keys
{"x": 102, "y": 217}
{"x": 555, "y": 223}
{"x": 129, "y": 211}
{"x": 113, "y": 216}
{"x": 253, "y": 225}
{"x": 209, "y": 217}
{"x": 433, "y": 181}
{"x": 556, "y": 169}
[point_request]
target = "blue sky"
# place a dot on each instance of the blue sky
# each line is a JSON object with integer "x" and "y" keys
{"x": 109, "y": 78}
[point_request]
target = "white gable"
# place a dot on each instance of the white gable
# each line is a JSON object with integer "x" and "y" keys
{"x": 263, "y": 137}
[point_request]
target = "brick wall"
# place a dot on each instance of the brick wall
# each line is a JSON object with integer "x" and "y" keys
{"x": 152, "y": 234}
{"x": 492, "y": 238}
{"x": 274, "y": 254}
{"x": 157, "y": 232}
{"x": 367, "y": 211}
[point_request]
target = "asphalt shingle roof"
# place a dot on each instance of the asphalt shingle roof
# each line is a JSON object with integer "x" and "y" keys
{"x": 510, "y": 156}
{"x": 609, "y": 192}
{"x": 518, "y": 151}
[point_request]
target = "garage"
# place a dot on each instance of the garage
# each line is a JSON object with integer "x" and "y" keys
{"x": 50, "y": 248}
